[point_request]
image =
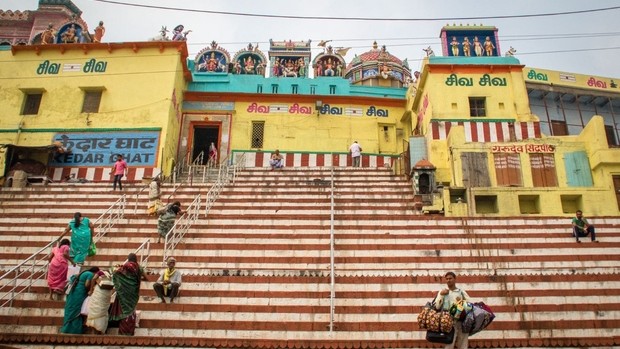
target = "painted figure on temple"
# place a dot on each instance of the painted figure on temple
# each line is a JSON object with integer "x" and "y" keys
{"x": 466, "y": 47}
{"x": 260, "y": 68}
{"x": 249, "y": 65}
{"x": 477, "y": 46}
{"x": 488, "y": 46}
{"x": 318, "y": 69}
{"x": 178, "y": 34}
{"x": 99, "y": 32}
{"x": 429, "y": 52}
{"x": 237, "y": 68}
{"x": 511, "y": 52}
{"x": 455, "y": 46}
{"x": 329, "y": 68}
{"x": 212, "y": 63}
{"x": 289, "y": 69}
{"x": 275, "y": 69}
{"x": 338, "y": 68}
{"x": 69, "y": 35}
{"x": 386, "y": 71}
{"x": 301, "y": 67}
{"x": 47, "y": 37}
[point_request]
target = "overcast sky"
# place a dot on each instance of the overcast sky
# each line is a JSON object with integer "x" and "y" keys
{"x": 588, "y": 43}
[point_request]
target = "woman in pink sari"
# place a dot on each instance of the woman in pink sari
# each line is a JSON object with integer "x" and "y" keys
{"x": 57, "y": 271}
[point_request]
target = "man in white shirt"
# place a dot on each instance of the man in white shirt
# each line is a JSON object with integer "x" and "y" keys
{"x": 444, "y": 300}
{"x": 356, "y": 153}
{"x": 169, "y": 282}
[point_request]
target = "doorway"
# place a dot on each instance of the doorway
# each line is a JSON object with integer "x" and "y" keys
{"x": 203, "y": 136}
{"x": 616, "y": 180}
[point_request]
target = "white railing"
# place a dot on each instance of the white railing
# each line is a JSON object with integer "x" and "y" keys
{"x": 227, "y": 174}
{"x": 332, "y": 293}
{"x": 25, "y": 274}
{"x": 109, "y": 218}
{"x": 34, "y": 268}
{"x": 180, "y": 227}
{"x": 143, "y": 253}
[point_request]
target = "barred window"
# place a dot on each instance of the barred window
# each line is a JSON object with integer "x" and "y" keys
{"x": 32, "y": 103}
{"x": 92, "y": 99}
{"x": 259, "y": 88}
{"x": 294, "y": 89}
{"x": 477, "y": 106}
{"x": 258, "y": 132}
{"x": 312, "y": 89}
{"x": 332, "y": 89}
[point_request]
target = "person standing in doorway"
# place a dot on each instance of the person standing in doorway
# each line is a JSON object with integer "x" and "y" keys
{"x": 356, "y": 153}
{"x": 444, "y": 300}
{"x": 119, "y": 169}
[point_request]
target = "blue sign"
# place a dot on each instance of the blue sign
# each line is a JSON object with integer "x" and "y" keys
{"x": 100, "y": 149}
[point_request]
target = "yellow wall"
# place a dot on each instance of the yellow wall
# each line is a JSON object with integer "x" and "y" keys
{"x": 137, "y": 84}
{"x": 324, "y": 133}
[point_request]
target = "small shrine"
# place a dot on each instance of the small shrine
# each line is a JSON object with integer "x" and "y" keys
{"x": 249, "y": 60}
{"x": 329, "y": 63}
{"x": 289, "y": 58}
{"x": 213, "y": 59}
{"x": 378, "y": 67}
{"x": 469, "y": 41}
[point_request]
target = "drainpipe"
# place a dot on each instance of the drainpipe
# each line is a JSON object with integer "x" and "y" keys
{"x": 20, "y": 126}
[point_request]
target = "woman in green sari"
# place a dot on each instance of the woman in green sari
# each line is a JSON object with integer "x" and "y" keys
{"x": 73, "y": 320}
{"x": 82, "y": 232}
{"x": 126, "y": 279}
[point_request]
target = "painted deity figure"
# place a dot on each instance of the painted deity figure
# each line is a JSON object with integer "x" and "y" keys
{"x": 249, "y": 65}
{"x": 455, "y": 46}
{"x": 338, "y": 69}
{"x": 329, "y": 68}
{"x": 289, "y": 69}
{"x": 488, "y": 46}
{"x": 237, "y": 68}
{"x": 386, "y": 72}
{"x": 275, "y": 70}
{"x": 177, "y": 33}
{"x": 47, "y": 37}
{"x": 260, "y": 68}
{"x": 212, "y": 63}
{"x": 477, "y": 46}
{"x": 466, "y": 47}
{"x": 301, "y": 67}
{"x": 99, "y": 32}
{"x": 318, "y": 70}
{"x": 69, "y": 35}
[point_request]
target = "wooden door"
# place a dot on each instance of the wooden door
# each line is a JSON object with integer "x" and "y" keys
{"x": 543, "y": 170}
{"x": 578, "y": 172}
{"x": 507, "y": 169}
{"x": 475, "y": 170}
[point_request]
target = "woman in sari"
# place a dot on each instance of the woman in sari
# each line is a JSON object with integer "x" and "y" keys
{"x": 154, "y": 196}
{"x": 82, "y": 231}
{"x": 99, "y": 304}
{"x": 212, "y": 155}
{"x": 57, "y": 270}
{"x": 126, "y": 279}
{"x": 73, "y": 321}
{"x": 166, "y": 221}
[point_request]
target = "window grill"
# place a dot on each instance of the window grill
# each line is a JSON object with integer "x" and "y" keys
{"x": 258, "y": 132}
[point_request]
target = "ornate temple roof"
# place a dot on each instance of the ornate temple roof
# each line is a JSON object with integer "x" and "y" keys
{"x": 374, "y": 55}
{"x": 424, "y": 164}
{"x": 14, "y": 15}
{"x": 67, "y": 3}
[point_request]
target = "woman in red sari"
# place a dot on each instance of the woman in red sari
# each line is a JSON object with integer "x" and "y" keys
{"x": 57, "y": 270}
{"x": 126, "y": 279}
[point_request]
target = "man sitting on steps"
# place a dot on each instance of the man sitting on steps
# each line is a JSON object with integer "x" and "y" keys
{"x": 582, "y": 228}
{"x": 169, "y": 282}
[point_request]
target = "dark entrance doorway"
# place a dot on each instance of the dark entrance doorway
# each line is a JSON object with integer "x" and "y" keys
{"x": 203, "y": 136}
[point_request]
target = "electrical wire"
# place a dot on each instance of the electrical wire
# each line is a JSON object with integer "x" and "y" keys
{"x": 228, "y": 13}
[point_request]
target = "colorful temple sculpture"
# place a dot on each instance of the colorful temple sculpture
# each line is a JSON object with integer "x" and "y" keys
{"x": 378, "y": 67}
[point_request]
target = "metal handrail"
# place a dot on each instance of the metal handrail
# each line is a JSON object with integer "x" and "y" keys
{"x": 113, "y": 214}
{"x": 180, "y": 227}
{"x": 227, "y": 174}
{"x": 144, "y": 257}
{"x": 332, "y": 294}
{"x": 36, "y": 264}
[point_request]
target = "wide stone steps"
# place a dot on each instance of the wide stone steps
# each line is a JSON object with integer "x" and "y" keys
{"x": 257, "y": 270}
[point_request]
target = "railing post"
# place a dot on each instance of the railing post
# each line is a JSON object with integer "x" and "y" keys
{"x": 332, "y": 294}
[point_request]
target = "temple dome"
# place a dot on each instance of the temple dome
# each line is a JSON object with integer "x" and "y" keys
{"x": 378, "y": 64}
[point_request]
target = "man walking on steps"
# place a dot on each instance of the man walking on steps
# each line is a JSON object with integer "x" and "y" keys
{"x": 356, "y": 153}
{"x": 444, "y": 300}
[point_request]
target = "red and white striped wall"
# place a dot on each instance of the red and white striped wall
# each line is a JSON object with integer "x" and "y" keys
{"x": 261, "y": 159}
{"x": 487, "y": 131}
{"x": 100, "y": 174}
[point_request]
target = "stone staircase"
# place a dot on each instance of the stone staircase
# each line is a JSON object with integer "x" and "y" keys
{"x": 257, "y": 268}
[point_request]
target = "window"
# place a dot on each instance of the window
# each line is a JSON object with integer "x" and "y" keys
{"x": 259, "y": 88}
{"x": 559, "y": 128}
{"x": 32, "y": 103}
{"x": 92, "y": 99}
{"x": 294, "y": 89}
{"x": 258, "y": 131}
{"x": 312, "y": 89}
{"x": 274, "y": 88}
{"x": 477, "y": 106}
{"x": 332, "y": 89}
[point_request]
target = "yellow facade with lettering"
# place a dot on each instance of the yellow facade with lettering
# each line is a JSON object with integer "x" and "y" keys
{"x": 140, "y": 87}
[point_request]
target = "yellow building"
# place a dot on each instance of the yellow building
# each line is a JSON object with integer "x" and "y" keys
{"x": 472, "y": 116}
{"x": 94, "y": 101}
